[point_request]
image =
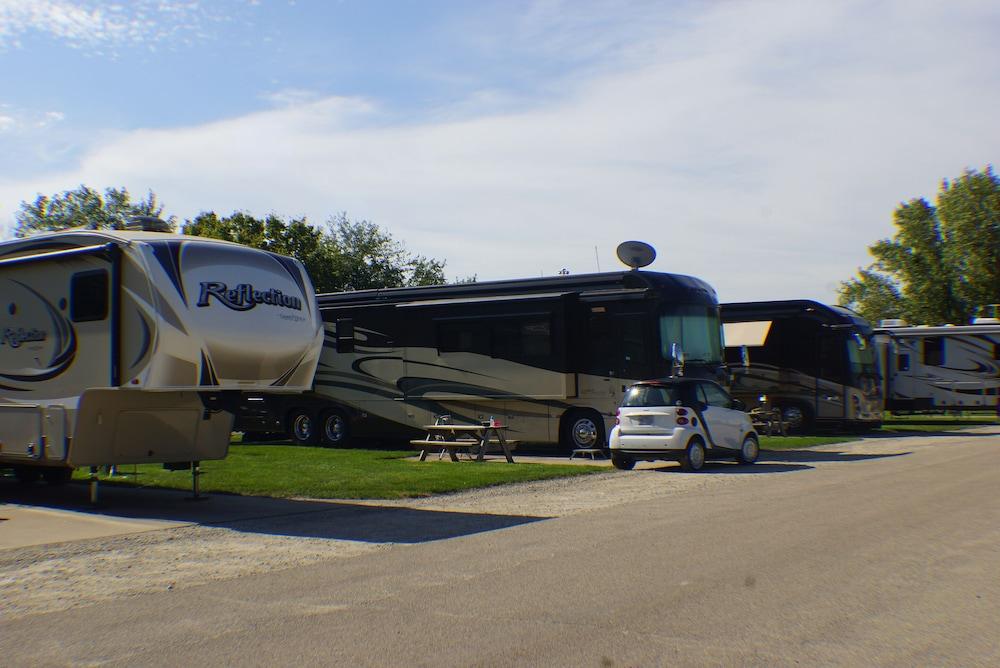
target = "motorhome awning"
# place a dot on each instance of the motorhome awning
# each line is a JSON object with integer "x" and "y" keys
{"x": 746, "y": 333}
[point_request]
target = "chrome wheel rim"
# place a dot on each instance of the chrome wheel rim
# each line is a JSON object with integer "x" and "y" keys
{"x": 302, "y": 427}
{"x": 584, "y": 433}
{"x": 333, "y": 429}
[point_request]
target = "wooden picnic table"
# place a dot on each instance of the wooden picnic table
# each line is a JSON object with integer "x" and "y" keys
{"x": 473, "y": 438}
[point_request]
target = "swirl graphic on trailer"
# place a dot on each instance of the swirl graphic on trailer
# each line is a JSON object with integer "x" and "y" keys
{"x": 37, "y": 342}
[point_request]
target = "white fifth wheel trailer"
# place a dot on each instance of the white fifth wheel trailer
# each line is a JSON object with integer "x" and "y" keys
{"x": 129, "y": 347}
{"x": 941, "y": 368}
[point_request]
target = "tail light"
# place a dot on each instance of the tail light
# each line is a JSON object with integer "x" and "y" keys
{"x": 682, "y": 411}
{"x": 682, "y": 420}
{"x": 618, "y": 413}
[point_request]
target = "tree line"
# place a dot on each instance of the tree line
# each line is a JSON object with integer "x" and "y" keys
{"x": 940, "y": 267}
{"x": 342, "y": 254}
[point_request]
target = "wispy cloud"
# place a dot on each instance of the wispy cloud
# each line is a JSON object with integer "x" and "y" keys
{"x": 96, "y": 25}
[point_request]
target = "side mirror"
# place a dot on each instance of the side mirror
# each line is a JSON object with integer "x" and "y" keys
{"x": 738, "y": 405}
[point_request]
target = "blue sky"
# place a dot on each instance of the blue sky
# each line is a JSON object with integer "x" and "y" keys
{"x": 759, "y": 145}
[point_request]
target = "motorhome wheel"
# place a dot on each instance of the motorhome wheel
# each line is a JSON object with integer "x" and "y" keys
{"x": 622, "y": 462}
{"x": 749, "y": 451}
{"x": 302, "y": 427}
{"x": 694, "y": 456}
{"x": 796, "y": 418}
{"x": 583, "y": 430}
{"x": 335, "y": 429}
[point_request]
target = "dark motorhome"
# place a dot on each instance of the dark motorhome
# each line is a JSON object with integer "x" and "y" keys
{"x": 816, "y": 363}
{"x": 550, "y": 357}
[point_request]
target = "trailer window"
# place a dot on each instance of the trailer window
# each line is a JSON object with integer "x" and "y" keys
{"x": 88, "y": 296}
{"x": 934, "y": 351}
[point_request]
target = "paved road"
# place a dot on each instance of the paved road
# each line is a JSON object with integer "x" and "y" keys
{"x": 891, "y": 560}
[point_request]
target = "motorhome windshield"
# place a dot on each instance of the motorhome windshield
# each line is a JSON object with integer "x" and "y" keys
{"x": 861, "y": 357}
{"x": 696, "y": 329}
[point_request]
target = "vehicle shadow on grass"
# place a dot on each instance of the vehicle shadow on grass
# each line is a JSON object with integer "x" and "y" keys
{"x": 336, "y": 520}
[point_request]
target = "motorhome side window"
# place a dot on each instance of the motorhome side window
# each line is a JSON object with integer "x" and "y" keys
{"x": 88, "y": 296}
{"x": 511, "y": 338}
{"x": 463, "y": 336}
{"x": 934, "y": 351}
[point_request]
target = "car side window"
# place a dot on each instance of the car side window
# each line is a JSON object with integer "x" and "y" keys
{"x": 716, "y": 396}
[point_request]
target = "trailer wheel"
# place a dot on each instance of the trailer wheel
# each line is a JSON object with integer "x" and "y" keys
{"x": 582, "y": 430}
{"x": 336, "y": 429}
{"x": 27, "y": 474}
{"x": 622, "y": 462}
{"x": 57, "y": 475}
{"x": 694, "y": 456}
{"x": 302, "y": 427}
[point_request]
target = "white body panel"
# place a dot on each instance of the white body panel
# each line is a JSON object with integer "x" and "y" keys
{"x": 941, "y": 368}
{"x": 120, "y": 344}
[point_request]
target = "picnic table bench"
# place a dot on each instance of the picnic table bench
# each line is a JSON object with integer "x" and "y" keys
{"x": 472, "y": 438}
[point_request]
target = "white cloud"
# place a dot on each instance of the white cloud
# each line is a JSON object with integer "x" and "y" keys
{"x": 93, "y": 24}
{"x": 761, "y": 146}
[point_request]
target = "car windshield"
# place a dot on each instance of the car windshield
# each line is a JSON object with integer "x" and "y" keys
{"x": 651, "y": 395}
{"x": 696, "y": 329}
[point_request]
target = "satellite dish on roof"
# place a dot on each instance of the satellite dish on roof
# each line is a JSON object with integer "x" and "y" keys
{"x": 636, "y": 254}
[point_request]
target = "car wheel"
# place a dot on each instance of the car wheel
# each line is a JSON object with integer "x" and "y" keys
{"x": 583, "y": 430}
{"x": 335, "y": 429}
{"x": 57, "y": 475}
{"x": 622, "y": 462}
{"x": 694, "y": 456}
{"x": 749, "y": 451}
{"x": 302, "y": 427}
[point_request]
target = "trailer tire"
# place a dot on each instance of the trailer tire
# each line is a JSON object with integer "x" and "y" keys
{"x": 582, "y": 430}
{"x": 335, "y": 430}
{"x": 57, "y": 475}
{"x": 302, "y": 426}
{"x": 694, "y": 456}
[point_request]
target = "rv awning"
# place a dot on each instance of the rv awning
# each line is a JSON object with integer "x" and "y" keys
{"x": 746, "y": 333}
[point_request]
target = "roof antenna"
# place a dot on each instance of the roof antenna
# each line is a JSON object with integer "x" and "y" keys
{"x": 598, "y": 259}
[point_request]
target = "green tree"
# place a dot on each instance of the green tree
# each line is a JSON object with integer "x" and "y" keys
{"x": 942, "y": 263}
{"x": 345, "y": 255}
{"x": 86, "y": 208}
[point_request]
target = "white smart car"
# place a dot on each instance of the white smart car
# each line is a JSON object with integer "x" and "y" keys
{"x": 684, "y": 419}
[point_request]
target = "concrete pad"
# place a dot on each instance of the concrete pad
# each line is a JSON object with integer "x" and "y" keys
{"x": 21, "y": 526}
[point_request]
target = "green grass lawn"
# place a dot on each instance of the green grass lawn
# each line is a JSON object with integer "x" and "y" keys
{"x": 285, "y": 471}
{"x": 918, "y": 423}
